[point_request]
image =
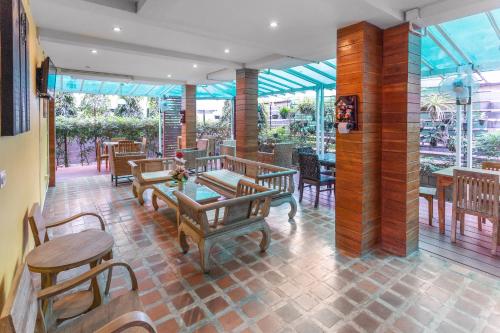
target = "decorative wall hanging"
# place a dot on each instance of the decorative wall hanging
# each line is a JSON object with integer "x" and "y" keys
{"x": 346, "y": 113}
{"x": 15, "y": 68}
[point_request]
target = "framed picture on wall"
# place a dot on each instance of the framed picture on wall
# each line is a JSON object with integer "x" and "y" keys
{"x": 15, "y": 69}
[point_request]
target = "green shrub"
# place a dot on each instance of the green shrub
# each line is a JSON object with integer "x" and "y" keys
{"x": 489, "y": 144}
{"x": 86, "y": 130}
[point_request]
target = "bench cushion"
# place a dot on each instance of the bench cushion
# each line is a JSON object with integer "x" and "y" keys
{"x": 157, "y": 176}
{"x": 100, "y": 316}
{"x": 226, "y": 178}
{"x": 427, "y": 191}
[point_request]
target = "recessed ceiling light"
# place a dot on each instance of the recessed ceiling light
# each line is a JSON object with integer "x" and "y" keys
{"x": 273, "y": 24}
{"x": 94, "y": 51}
{"x": 226, "y": 51}
{"x": 117, "y": 29}
{"x": 169, "y": 75}
{"x": 195, "y": 66}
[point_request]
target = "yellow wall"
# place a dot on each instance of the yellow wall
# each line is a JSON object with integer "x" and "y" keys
{"x": 24, "y": 157}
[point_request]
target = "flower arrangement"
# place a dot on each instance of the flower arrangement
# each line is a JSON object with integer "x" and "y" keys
{"x": 179, "y": 154}
{"x": 180, "y": 174}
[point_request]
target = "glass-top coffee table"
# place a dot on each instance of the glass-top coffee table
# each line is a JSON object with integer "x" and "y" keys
{"x": 199, "y": 193}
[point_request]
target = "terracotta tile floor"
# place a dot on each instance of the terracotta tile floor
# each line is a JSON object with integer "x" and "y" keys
{"x": 299, "y": 285}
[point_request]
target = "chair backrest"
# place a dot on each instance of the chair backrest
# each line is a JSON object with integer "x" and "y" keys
{"x": 202, "y": 144}
{"x": 229, "y": 143}
{"x": 490, "y": 165}
{"x": 309, "y": 166}
{"x": 98, "y": 148}
{"x": 37, "y": 224}
{"x": 19, "y": 314}
{"x": 144, "y": 144}
{"x": 118, "y": 139}
{"x": 305, "y": 150}
{"x": 127, "y": 146}
{"x": 476, "y": 193}
{"x": 227, "y": 150}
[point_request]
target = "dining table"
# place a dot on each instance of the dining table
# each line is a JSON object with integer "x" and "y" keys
{"x": 328, "y": 160}
{"x": 444, "y": 179}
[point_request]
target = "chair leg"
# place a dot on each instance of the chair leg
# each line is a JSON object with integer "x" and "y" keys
{"x": 431, "y": 210}
{"x": 494, "y": 237}
{"x": 266, "y": 237}
{"x": 453, "y": 225}
{"x": 301, "y": 190}
{"x": 316, "y": 202}
{"x": 462, "y": 224}
{"x": 98, "y": 162}
{"x": 480, "y": 223}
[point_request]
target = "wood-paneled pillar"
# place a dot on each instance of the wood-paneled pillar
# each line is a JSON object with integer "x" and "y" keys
{"x": 357, "y": 202}
{"x": 400, "y": 140}
{"x": 188, "y": 131}
{"x": 52, "y": 142}
{"x": 246, "y": 113}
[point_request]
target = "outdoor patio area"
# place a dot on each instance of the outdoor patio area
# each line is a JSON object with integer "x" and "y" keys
{"x": 250, "y": 166}
{"x": 301, "y": 283}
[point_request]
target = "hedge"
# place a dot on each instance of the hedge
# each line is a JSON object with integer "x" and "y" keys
{"x": 85, "y": 131}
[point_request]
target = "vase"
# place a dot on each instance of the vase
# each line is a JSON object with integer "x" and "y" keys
{"x": 180, "y": 185}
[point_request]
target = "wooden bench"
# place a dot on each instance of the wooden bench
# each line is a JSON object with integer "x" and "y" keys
{"x": 148, "y": 172}
{"x": 428, "y": 193}
{"x": 22, "y": 312}
{"x": 210, "y": 223}
{"x": 224, "y": 172}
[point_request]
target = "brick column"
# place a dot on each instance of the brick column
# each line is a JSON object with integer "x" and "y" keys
{"x": 189, "y": 106}
{"x": 400, "y": 140}
{"x": 357, "y": 201}
{"x": 246, "y": 113}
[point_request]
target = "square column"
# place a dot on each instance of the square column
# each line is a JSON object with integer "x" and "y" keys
{"x": 357, "y": 201}
{"x": 246, "y": 113}
{"x": 400, "y": 140}
{"x": 188, "y": 131}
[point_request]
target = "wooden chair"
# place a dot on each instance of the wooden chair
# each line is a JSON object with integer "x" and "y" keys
{"x": 22, "y": 311}
{"x": 100, "y": 155}
{"x": 279, "y": 154}
{"x": 428, "y": 193}
{"x": 208, "y": 224}
{"x": 190, "y": 156}
{"x": 227, "y": 150}
{"x": 39, "y": 225}
{"x": 493, "y": 166}
{"x": 475, "y": 193}
{"x": 118, "y": 162}
{"x": 148, "y": 172}
{"x": 118, "y": 139}
{"x": 310, "y": 173}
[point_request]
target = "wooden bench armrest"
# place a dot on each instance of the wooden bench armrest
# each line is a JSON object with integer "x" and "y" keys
{"x": 78, "y": 280}
{"x": 129, "y": 320}
{"x": 74, "y": 217}
{"x": 275, "y": 174}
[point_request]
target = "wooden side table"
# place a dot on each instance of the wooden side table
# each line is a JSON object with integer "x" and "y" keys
{"x": 67, "y": 252}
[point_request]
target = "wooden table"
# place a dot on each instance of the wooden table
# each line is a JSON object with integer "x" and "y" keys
{"x": 199, "y": 193}
{"x": 67, "y": 252}
{"x": 444, "y": 179}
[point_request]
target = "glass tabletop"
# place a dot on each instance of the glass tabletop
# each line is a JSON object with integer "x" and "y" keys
{"x": 198, "y": 193}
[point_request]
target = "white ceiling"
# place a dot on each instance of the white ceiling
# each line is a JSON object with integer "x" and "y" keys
{"x": 161, "y": 37}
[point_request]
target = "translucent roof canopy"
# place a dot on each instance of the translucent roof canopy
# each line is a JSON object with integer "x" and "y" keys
{"x": 445, "y": 47}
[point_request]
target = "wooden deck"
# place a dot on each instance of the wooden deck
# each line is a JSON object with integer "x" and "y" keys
{"x": 471, "y": 249}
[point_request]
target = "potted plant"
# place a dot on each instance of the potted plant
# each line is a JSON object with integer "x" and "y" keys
{"x": 483, "y": 118}
{"x": 436, "y": 105}
{"x": 284, "y": 112}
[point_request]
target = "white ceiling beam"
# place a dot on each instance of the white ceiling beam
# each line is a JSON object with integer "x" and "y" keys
{"x": 126, "y": 5}
{"x": 69, "y": 38}
{"x": 383, "y": 5}
{"x": 447, "y": 10}
{"x": 101, "y": 76}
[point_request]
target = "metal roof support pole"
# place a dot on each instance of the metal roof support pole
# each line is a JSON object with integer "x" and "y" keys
{"x": 458, "y": 137}
{"x": 320, "y": 115}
